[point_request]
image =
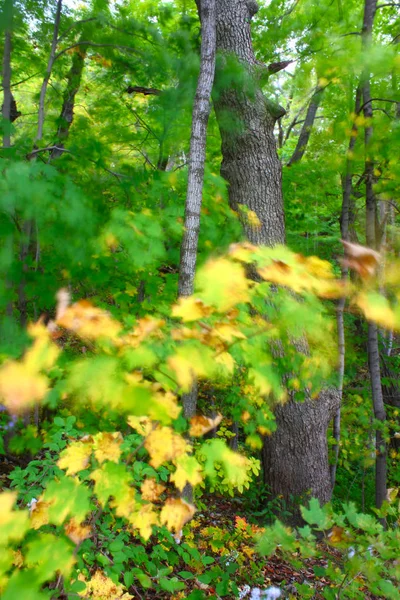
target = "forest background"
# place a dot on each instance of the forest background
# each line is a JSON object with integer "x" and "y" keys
{"x": 141, "y": 148}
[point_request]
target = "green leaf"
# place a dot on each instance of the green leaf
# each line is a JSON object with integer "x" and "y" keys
{"x": 315, "y": 515}
{"x": 50, "y": 554}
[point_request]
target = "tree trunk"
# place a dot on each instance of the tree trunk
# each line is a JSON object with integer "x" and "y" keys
{"x": 345, "y": 219}
{"x": 67, "y": 111}
{"x": 372, "y": 236}
{"x": 6, "y": 80}
{"x": 197, "y": 154}
{"x": 295, "y": 458}
{"x": 307, "y": 126}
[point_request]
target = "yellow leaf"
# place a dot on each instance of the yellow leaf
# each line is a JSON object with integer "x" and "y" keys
{"x": 75, "y": 457}
{"x": 126, "y": 503}
{"x": 164, "y": 444}
{"x": 226, "y": 360}
{"x": 77, "y": 532}
{"x": 144, "y": 520}
{"x": 101, "y": 587}
{"x": 175, "y": 513}
{"x": 107, "y": 446}
{"x": 142, "y": 425}
{"x": 183, "y": 371}
{"x": 164, "y": 407}
{"x": 89, "y": 321}
{"x": 20, "y": 388}
{"x": 376, "y": 308}
{"x": 39, "y": 513}
{"x": 199, "y": 425}
{"x": 13, "y": 523}
{"x": 151, "y": 490}
{"x": 145, "y": 328}
{"x": 18, "y": 559}
{"x": 223, "y": 283}
{"x": 188, "y": 470}
{"x": 191, "y": 309}
{"x": 243, "y": 252}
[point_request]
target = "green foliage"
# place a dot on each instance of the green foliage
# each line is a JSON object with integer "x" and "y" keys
{"x": 96, "y": 449}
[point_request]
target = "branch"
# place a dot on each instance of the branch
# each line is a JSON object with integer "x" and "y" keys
{"x": 65, "y": 33}
{"x": 376, "y": 100}
{"x": 62, "y": 150}
{"x": 392, "y": 4}
{"x": 138, "y": 89}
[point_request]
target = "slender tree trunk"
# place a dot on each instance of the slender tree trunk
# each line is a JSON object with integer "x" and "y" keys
{"x": 307, "y": 126}
{"x": 6, "y": 108}
{"x": 7, "y": 96}
{"x": 347, "y": 189}
{"x": 295, "y": 457}
{"x": 372, "y": 238}
{"x": 197, "y": 154}
{"x": 67, "y": 111}
{"x": 29, "y": 228}
{"x": 50, "y": 62}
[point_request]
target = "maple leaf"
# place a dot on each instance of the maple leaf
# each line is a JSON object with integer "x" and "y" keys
{"x": 227, "y": 361}
{"x": 75, "y": 457}
{"x": 363, "y": 260}
{"x": 76, "y": 531}
{"x": 89, "y": 321}
{"x": 199, "y": 424}
{"x": 223, "y": 283}
{"x": 164, "y": 407}
{"x": 49, "y": 554}
{"x": 13, "y": 524}
{"x": 188, "y": 470}
{"x": 191, "y": 309}
{"x": 144, "y": 519}
{"x": 151, "y": 490}
{"x": 102, "y": 587}
{"x": 175, "y": 513}
{"x": 125, "y": 504}
{"x": 39, "y": 513}
{"x": 142, "y": 425}
{"x": 377, "y": 308}
{"x": 19, "y": 388}
{"x": 67, "y": 498}
{"x": 107, "y": 446}
{"x": 111, "y": 480}
{"x": 164, "y": 444}
{"x": 183, "y": 370}
{"x": 145, "y": 328}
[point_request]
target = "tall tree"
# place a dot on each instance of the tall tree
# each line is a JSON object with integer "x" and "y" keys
{"x": 295, "y": 457}
{"x": 197, "y": 155}
{"x": 372, "y": 239}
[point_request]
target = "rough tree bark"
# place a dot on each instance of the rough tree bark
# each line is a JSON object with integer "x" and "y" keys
{"x": 372, "y": 237}
{"x": 200, "y": 115}
{"x": 295, "y": 458}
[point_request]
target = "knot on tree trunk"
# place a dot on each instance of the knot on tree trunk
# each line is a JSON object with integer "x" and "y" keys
{"x": 252, "y": 7}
